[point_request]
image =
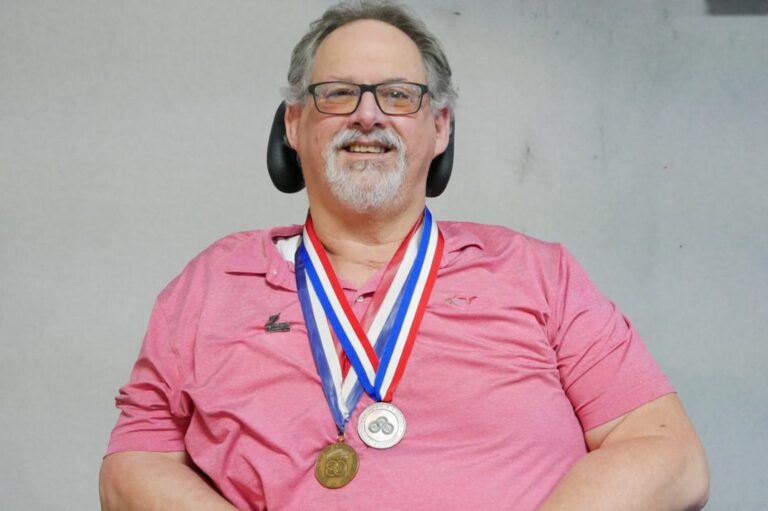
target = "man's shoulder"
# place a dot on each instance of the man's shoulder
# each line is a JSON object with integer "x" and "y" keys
{"x": 240, "y": 252}
{"x": 252, "y": 245}
{"x": 220, "y": 252}
{"x": 495, "y": 238}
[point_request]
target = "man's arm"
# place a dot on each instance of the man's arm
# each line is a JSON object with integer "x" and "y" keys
{"x": 150, "y": 481}
{"x": 649, "y": 459}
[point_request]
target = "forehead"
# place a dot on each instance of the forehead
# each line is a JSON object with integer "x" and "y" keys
{"x": 368, "y": 51}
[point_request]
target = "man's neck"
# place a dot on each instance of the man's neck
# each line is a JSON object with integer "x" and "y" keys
{"x": 359, "y": 244}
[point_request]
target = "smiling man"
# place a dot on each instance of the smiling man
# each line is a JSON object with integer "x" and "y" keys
{"x": 365, "y": 169}
{"x": 376, "y": 359}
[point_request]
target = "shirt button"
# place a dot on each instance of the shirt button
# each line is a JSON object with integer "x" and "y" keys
{"x": 359, "y": 299}
{"x": 274, "y": 272}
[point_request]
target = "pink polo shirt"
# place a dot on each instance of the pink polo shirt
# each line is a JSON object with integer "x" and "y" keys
{"x": 517, "y": 355}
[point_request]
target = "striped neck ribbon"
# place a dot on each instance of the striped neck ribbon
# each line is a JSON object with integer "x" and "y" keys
{"x": 378, "y": 346}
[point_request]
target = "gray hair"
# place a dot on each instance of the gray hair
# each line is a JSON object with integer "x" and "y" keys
{"x": 438, "y": 70}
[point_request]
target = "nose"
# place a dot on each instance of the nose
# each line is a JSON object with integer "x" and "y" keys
{"x": 368, "y": 114}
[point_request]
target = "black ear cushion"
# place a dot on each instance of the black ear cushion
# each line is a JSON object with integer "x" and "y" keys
{"x": 285, "y": 171}
{"x": 282, "y": 161}
{"x": 441, "y": 167}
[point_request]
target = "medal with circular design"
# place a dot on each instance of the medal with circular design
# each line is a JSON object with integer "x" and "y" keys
{"x": 381, "y": 425}
{"x": 337, "y": 465}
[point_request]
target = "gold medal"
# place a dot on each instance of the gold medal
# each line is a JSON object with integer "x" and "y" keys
{"x": 337, "y": 465}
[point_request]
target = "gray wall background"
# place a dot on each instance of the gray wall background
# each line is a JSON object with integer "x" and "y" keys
{"x": 133, "y": 134}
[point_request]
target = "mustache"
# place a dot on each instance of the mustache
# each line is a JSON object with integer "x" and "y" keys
{"x": 378, "y": 135}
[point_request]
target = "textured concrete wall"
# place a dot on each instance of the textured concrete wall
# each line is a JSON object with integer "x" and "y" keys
{"x": 132, "y": 134}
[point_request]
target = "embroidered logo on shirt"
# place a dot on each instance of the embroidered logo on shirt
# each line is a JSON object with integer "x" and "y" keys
{"x": 460, "y": 300}
{"x": 273, "y": 326}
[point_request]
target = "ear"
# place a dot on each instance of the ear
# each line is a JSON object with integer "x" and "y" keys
{"x": 443, "y": 130}
{"x": 292, "y": 117}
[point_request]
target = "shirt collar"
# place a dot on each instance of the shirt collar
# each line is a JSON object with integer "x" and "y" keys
{"x": 458, "y": 237}
{"x": 258, "y": 254}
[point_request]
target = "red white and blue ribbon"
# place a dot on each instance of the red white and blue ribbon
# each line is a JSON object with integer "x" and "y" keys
{"x": 377, "y": 347}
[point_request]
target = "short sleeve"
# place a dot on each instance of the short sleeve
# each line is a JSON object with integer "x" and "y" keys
{"x": 605, "y": 368}
{"x": 153, "y": 416}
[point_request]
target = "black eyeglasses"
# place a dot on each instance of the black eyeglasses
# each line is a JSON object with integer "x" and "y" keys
{"x": 343, "y": 98}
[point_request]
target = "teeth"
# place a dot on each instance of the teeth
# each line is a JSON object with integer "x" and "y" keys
{"x": 365, "y": 149}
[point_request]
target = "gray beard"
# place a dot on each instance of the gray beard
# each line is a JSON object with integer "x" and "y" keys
{"x": 366, "y": 185}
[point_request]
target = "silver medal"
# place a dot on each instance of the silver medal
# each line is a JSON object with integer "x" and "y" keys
{"x": 381, "y": 425}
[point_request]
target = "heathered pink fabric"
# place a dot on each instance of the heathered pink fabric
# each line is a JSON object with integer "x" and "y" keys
{"x": 518, "y": 353}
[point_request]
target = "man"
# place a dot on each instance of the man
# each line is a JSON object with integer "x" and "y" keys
{"x": 374, "y": 361}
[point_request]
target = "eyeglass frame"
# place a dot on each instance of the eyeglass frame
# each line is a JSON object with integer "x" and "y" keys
{"x": 368, "y": 87}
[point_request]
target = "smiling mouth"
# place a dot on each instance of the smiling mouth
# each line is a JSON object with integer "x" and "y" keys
{"x": 366, "y": 149}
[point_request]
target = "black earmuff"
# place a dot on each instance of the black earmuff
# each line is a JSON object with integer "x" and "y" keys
{"x": 285, "y": 170}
